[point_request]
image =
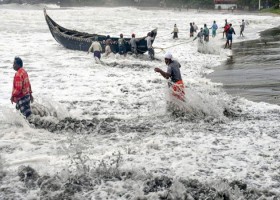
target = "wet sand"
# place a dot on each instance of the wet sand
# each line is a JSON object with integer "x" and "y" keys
{"x": 253, "y": 70}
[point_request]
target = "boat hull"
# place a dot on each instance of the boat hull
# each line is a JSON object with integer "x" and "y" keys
{"x": 81, "y": 41}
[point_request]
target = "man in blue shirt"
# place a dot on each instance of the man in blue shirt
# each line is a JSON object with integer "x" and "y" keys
{"x": 229, "y": 37}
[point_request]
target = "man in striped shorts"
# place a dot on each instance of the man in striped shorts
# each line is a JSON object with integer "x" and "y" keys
{"x": 22, "y": 93}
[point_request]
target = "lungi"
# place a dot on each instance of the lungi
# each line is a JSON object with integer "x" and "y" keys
{"x": 23, "y": 105}
{"x": 178, "y": 90}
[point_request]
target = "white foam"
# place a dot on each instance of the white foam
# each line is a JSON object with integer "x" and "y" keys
{"x": 129, "y": 89}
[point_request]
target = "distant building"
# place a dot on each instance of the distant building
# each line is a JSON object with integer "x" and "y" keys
{"x": 225, "y": 4}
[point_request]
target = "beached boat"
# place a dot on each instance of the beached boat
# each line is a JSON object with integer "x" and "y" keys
{"x": 81, "y": 41}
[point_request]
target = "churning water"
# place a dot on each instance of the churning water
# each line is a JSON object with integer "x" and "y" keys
{"x": 103, "y": 131}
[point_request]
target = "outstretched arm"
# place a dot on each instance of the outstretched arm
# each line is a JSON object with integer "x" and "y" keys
{"x": 164, "y": 74}
{"x": 90, "y": 48}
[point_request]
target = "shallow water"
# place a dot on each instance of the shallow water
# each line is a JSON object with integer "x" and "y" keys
{"x": 253, "y": 70}
{"x": 102, "y": 131}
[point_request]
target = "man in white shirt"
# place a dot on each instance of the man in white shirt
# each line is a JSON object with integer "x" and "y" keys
{"x": 175, "y": 32}
{"x": 149, "y": 40}
{"x": 96, "y": 47}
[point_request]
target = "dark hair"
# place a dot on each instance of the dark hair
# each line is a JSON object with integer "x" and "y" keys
{"x": 18, "y": 61}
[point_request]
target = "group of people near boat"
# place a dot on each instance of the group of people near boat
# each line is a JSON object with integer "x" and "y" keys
{"x": 96, "y": 47}
{"x": 22, "y": 92}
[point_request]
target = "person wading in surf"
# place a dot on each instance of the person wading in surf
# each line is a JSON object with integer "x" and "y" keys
{"x": 121, "y": 44}
{"x": 229, "y": 37}
{"x": 150, "y": 48}
{"x": 133, "y": 43}
{"x": 242, "y": 27}
{"x": 97, "y": 49}
{"x": 108, "y": 43}
{"x": 214, "y": 28}
{"x": 173, "y": 72}
{"x": 22, "y": 93}
{"x": 175, "y": 32}
{"x": 200, "y": 36}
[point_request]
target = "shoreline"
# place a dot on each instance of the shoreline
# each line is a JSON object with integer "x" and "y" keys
{"x": 246, "y": 90}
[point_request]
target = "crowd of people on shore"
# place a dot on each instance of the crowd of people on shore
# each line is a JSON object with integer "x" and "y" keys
{"x": 204, "y": 33}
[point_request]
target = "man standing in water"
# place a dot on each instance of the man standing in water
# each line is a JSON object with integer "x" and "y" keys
{"x": 175, "y": 32}
{"x": 97, "y": 49}
{"x": 22, "y": 93}
{"x": 191, "y": 30}
{"x": 200, "y": 36}
{"x": 150, "y": 48}
{"x": 229, "y": 37}
{"x": 121, "y": 44}
{"x": 214, "y": 29}
{"x": 242, "y": 27}
{"x": 206, "y": 33}
{"x": 133, "y": 43}
{"x": 226, "y": 27}
{"x": 195, "y": 28}
{"x": 173, "y": 72}
{"x": 108, "y": 42}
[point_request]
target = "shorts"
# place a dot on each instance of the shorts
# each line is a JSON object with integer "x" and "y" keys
{"x": 97, "y": 54}
{"x": 229, "y": 37}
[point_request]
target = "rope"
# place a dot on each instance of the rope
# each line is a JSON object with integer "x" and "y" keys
{"x": 163, "y": 35}
{"x": 163, "y": 49}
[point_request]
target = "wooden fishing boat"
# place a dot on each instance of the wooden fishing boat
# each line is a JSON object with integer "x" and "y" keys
{"x": 81, "y": 41}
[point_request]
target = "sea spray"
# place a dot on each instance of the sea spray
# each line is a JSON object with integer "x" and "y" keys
{"x": 196, "y": 105}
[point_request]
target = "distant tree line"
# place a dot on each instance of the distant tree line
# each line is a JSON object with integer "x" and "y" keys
{"x": 27, "y": 1}
{"x": 241, "y": 4}
{"x": 250, "y": 4}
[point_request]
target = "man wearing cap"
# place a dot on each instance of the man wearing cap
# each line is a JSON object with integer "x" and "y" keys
{"x": 173, "y": 72}
{"x": 96, "y": 47}
{"x": 22, "y": 93}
